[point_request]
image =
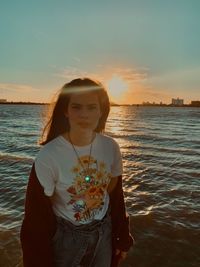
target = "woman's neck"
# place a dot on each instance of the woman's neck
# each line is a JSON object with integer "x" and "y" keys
{"x": 81, "y": 138}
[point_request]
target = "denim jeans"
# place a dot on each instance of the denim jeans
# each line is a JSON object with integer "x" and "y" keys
{"x": 87, "y": 245}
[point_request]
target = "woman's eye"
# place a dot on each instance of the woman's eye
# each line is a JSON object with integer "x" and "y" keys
{"x": 92, "y": 108}
{"x": 76, "y": 107}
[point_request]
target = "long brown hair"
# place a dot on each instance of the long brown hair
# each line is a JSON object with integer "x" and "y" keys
{"x": 58, "y": 123}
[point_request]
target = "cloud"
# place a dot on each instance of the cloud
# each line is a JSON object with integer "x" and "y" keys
{"x": 77, "y": 59}
{"x": 20, "y": 88}
{"x": 142, "y": 85}
{"x": 140, "y": 93}
{"x": 21, "y": 92}
{"x": 70, "y": 73}
{"x": 131, "y": 75}
{"x": 181, "y": 79}
{"x": 104, "y": 73}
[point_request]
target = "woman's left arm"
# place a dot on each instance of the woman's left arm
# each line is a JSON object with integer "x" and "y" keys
{"x": 122, "y": 239}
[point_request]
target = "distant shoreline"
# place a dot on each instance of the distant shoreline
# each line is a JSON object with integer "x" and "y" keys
{"x": 22, "y": 103}
{"x": 112, "y": 104}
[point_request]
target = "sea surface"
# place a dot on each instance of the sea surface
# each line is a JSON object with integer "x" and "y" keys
{"x": 161, "y": 156}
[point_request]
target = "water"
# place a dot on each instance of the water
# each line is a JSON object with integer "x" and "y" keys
{"x": 161, "y": 156}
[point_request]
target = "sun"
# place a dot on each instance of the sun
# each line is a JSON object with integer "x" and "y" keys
{"x": 117, "y": 87}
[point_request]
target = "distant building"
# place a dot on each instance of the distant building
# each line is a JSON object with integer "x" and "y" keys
{"x": 195, "y": 103}
{"x": 146, "y": 103}
{"x": 3, "y": 100}
{"x": 177, "y": 102}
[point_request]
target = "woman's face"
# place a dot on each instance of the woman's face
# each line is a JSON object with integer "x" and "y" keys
{"x": 83, "y": 111}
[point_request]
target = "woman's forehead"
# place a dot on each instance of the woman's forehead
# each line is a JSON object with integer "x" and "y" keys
{"x": 84, "y": 98}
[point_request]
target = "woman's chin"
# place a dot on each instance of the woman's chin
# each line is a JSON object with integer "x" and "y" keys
{"x": 85, "y": 129}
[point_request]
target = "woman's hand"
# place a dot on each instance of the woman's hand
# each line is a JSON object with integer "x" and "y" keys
{"x": 121, "y": 254}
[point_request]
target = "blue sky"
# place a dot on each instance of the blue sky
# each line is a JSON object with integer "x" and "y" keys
{"x": 148, "y": 48}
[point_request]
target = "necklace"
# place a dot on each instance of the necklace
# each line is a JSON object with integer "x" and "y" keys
{"x": 87, "y": 177}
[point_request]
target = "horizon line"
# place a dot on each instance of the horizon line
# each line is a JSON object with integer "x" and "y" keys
{"x": 111, "y": 104}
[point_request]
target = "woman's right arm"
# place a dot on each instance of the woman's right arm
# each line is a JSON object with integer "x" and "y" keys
{"x": 38, "y": 226}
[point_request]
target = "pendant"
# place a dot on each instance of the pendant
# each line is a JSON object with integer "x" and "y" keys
{"x": 87, "y": 178}
{"x": 80, "y": 203}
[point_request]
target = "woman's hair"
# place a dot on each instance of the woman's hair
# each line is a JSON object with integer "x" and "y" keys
{"x": 58, "y": 123}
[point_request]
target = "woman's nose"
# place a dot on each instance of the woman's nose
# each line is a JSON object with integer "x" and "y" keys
{"x": 84, "y": 113}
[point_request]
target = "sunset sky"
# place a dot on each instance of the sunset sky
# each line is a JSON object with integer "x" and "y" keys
{"x": 142, "y": 50}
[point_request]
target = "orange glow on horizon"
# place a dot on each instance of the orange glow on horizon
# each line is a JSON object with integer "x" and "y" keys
{"x": 117, "y": 87}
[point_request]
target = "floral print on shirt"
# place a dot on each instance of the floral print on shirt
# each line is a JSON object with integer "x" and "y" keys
{"x": 87, "y": 197}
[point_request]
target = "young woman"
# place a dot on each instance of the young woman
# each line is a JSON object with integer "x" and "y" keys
{"x": 74, "y": 211}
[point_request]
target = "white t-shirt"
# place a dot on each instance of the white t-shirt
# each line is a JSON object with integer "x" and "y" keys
{"x": 61, "y": 174}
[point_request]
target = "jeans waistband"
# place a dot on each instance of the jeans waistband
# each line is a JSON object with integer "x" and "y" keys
{"x": 89, "y": 227}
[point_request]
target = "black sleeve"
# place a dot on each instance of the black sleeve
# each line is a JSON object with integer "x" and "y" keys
{"x": 38, "y": 226}
{"x": 122, "y": 238}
